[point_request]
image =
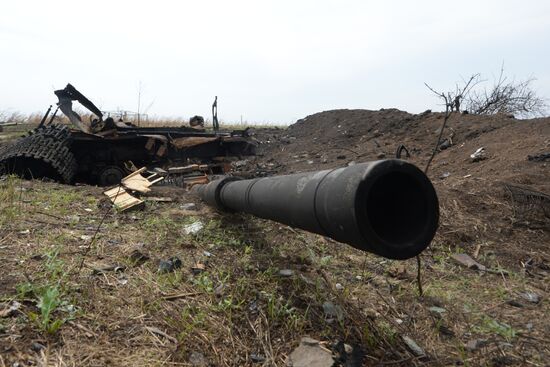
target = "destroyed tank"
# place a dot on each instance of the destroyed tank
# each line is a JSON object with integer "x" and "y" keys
{"x": 103, "y": 151}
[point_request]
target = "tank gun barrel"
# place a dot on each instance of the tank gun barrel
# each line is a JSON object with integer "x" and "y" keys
{"x": 387, "y": 207}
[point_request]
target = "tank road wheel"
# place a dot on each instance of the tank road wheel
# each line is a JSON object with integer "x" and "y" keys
{"x": 111, "y": 175}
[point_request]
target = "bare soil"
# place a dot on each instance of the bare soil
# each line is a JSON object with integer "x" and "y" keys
{"x": 118, "y": 309}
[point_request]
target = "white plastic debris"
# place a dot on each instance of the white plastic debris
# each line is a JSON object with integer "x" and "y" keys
{"x": 193, "y": 228}
{"x": 479, "y": 155}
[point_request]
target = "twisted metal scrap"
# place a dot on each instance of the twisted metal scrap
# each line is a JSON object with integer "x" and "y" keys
{"x": 528, "y": 202}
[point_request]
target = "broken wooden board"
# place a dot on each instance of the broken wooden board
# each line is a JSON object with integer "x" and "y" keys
{"x": 136, "y": 182}
{"x": 122, "y": 200}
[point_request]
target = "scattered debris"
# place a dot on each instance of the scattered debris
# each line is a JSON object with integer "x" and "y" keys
{"x": 169, "y": 265}
{"x": 37, "y": 347}
{"x": 479, "y": 155}
{"x": 445, "y": 144}
{"x": 188, "y": 206}
{"x": 514, "y": 303}
{"x": 136, "y": 182}
{"x": 240, "y": 163}
{"x": 257, "y": 358}
{"x": 159, "y": 199}
{"x": 475, "y": 344}
{"x": 10, "y": 310}
{"x": 539, "y": 157}
{"x": 437, "y": 310}
{"x": 399, "y": 271}
{"x": 529, "y": 203}
{"x": 468, "y": 262}
{"x": 122, "y": 200}
{"x": 197, "y": 359}
{"x": 172, "y": 297}
{"x": 333, "y": 311}
{"x": 310, "y": 353}
{"x": 136, "y": 257}
{"x": 413, "y": 346}
{"x": 219, "y": 290}
{"x": 531, "y": 297}
{"x": 286, "y": 272}
{"x": 339, "y": 287}
{"x": 157, "y": 331}
{"x": 102, "y": 269}
{"x": 193, "y": 228}
{"x": 347, "y": 355}
{"x": 444, "y": 175}
{"x": 198, "y": 268}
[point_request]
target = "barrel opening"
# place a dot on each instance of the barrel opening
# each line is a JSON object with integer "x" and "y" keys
{"x": 397, "y": 208}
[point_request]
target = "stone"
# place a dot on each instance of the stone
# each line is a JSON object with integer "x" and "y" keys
{"x": 514, "y": 303}
{"x": 188, "y": 206}
{"x": 286, "y": 272}
{"x": 197, "y": 359}
{"x": 333, "y": 311}
{"x": 475, "y": 344}
{"x": 257, "y": 358}
{"x": 467, "y": 261}
{"x": 415, "y": 348}
{"x": 437, "y": 310}
{"x": 167, "y": 266}
{"x": 37, "y": 347}
{"x": 193, "y": 228}
{"x": 310, "y": 354}
{"x": 530, "y": 297}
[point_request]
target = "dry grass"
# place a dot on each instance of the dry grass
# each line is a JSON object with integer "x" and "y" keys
{"x": 30, "y": 121}
{"x": 130, "y": 314}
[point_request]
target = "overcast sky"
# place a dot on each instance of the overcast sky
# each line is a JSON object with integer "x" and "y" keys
{"x": 267, "y": 61}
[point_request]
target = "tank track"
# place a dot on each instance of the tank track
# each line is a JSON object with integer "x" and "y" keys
{"x": 48, "y": 146}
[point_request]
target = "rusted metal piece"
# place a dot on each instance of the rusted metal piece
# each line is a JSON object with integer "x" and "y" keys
{"x": 183, "y": 143}
{"x": 528, "y": 203}
{"x": 388, "y": 207}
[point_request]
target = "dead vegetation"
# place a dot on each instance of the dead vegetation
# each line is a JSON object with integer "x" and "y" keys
{"x": 245, "y": 290}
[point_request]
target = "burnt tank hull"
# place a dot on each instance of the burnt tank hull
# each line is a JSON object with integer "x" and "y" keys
{"x": 65, "y": 155}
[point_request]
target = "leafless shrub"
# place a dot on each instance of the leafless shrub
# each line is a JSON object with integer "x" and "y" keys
{"x": 507, "y": 96}
{"x": 12, "y": 117}
{"x": 453, "y": 99}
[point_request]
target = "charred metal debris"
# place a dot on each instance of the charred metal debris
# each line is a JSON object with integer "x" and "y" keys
{"x": 102, "y": 151}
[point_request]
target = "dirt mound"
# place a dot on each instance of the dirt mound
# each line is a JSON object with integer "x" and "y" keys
{"x": 476, "y": 201}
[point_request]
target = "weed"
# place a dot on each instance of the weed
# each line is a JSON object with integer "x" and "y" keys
{"x": 325, "y": 260}
{"x": 281, "y": 311}
{"x": 490, "y": 325}
{"x": 48, "y": 302}
{"x": 369, "y": 337}
{"x": 191, "y": 319}
{"x": 204, "y": 283}
{"x": 8, "y": 210}
{"x": 49, "y": 293}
